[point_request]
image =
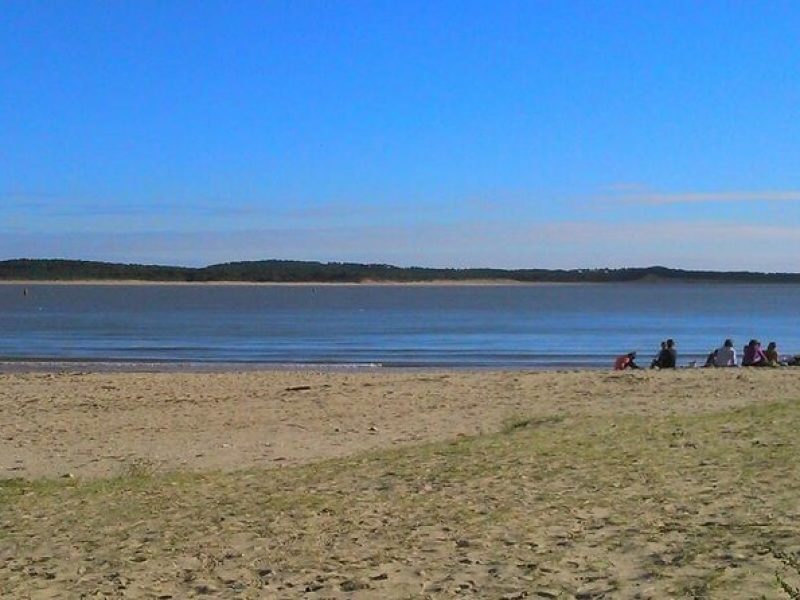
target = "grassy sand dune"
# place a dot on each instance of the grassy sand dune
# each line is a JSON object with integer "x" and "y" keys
{"x": 690, "y": 501}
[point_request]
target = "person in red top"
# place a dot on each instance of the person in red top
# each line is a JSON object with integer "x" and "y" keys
{"x": 626, "y": 361}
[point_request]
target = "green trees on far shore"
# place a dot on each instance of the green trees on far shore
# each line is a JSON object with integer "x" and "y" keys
{"x": 335, "y": 272}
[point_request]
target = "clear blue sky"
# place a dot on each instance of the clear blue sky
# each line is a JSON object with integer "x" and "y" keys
{"x": 508, "y": 134}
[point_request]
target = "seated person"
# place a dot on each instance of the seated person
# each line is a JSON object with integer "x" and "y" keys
{"x": 626, "y": 361}
{"x": 773, "y": 358}
{"x": 725, "y": 356}
{"x": 712, "y": 356}
{"x": 753, "y": 355}
{"x": 657, "y": 360}
{"x": 669, "y": 356}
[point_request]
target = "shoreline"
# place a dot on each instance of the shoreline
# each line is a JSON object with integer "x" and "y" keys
{"x": 9, "y": 366}
{"x": 373, "y": 283}
{"x": 36, "y": 365}
{"x": 366, "y": 283}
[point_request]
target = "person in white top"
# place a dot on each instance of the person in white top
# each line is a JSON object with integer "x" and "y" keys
{"x": 725, "y": 356}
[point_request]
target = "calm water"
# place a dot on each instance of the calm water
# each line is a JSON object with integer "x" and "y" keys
{"x": 464, "y": 326}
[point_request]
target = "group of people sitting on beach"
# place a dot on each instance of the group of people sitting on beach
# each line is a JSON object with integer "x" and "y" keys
{"x": 753, "y": 355}
{"x": 667, "y": 358}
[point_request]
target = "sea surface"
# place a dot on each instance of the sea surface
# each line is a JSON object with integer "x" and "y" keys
{"x": 355, "y": 326}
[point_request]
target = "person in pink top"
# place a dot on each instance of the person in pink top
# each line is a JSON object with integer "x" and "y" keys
{"x": 754, "y": 355}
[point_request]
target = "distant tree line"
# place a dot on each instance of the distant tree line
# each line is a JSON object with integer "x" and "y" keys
{"x": 334, "y": 272}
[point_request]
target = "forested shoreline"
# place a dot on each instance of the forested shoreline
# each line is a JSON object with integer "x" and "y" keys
{"x": 291, "y": 271}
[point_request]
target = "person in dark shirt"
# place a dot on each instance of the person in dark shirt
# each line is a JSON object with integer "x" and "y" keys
{"x": 656, "y": 362}
{"x": 668, "y": 357}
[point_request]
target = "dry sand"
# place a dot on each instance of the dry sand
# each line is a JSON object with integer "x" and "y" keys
{"x": 98, "y": 424}
{"x": 399, "y": 484}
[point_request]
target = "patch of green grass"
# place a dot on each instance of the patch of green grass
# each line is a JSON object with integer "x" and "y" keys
{"x": 606, "y": 482}
{"x": 12, "y": 489}
{"x": 518, "y": 422}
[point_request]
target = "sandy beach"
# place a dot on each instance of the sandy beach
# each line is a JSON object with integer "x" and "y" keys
{"x": 399, "y": 484}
